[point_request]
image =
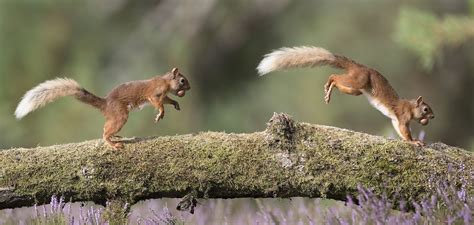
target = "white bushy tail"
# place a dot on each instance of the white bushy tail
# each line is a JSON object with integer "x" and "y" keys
{"x": 287, "y": 58}
{"x": 45, "y": 93}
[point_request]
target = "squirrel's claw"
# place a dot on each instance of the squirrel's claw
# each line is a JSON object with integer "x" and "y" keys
{"x": 118, "y": 145}
{"x": 176, "y": 106}
{"x": 327, "y": 98}
{"x": 159, "y": 116}
{"x": 327, "y": 91}
{"x": 417, "y": 143}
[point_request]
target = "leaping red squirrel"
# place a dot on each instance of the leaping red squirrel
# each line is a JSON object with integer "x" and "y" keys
{"x": 117, "y": 104}
{"x": 358, "y": 79}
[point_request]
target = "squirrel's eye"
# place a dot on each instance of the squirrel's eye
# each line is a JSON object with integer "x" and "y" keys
{"x": 425, "y": 109}
{"x": 181, "y": 81}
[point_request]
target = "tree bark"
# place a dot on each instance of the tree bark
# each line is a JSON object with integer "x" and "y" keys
{"x": 288, "y": 159}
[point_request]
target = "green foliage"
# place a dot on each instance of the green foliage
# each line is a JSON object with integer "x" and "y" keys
{"x": 425, "y": 34}
{"x": 116, "y": 212}
{"x": 416, "y": 30}
{"x": 52, "y": 219}
{"x": 471, "y": 6}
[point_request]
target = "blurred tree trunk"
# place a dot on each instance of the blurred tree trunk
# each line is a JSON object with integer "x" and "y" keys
{"x": 456, "y": 81}
{"x": 287, "y": 159}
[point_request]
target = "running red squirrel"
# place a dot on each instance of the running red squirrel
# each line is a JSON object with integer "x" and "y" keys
{"x": 358, "y": 79}
{"x": 117, "y": 104}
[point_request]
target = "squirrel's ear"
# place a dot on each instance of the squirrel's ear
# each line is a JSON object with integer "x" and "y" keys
{"x": 175, "y": 72}
{"x": 419, "y": 100}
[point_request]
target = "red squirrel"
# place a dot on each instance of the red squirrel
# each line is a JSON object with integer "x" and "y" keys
{"x": 117, "y": 104}
{"x": 358, "y": 79}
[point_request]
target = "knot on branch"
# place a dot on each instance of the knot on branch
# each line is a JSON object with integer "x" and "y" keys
{"x": 280, "y": 131}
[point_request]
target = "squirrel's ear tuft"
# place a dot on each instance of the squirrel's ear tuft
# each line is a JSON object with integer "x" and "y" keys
{"x": 175, "y": 72}
{"x": 419, "y": 100}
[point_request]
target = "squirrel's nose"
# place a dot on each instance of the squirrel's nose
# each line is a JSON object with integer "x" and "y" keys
{"x": 432, "y": 116}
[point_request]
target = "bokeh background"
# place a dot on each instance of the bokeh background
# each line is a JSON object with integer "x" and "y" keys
{"x": 423, "y": 47}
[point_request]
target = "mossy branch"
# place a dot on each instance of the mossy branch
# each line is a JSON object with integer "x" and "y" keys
{"x": 287, "y": 159}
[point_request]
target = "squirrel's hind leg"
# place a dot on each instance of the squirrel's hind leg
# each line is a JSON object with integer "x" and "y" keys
{"x": 113, "y": 124}
{"x": 344, "y": 83}
{"x": 332, "y": 81}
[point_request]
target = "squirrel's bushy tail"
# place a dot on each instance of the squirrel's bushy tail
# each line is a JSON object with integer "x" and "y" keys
{"x": 305, "y": 56}
{"x": 51, "y": 90}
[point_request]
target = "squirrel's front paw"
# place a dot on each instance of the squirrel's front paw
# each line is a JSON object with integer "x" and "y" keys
{"x": 176, "y": 106}
{"x": 417, "y": 143}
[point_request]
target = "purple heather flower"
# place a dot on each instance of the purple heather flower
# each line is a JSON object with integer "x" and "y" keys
{"x": 71, "y": 221}
{"x": 36, "y": 211}
{"x": 421, "y": 135}
{"x": 81, "y": 215}
{"x": 450, "y": 220}
{"x": 467, "y": 214}
{"x": 125, "y": 207}
{"x": 44, "y": 212}
{"x": 61, "y": 203}
{"x": 53, "y": 203}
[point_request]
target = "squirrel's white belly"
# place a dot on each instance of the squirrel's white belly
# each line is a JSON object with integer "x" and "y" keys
{"x": 379, "y": 106}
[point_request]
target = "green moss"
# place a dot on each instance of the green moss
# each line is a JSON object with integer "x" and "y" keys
{"x": 288, "y": 159}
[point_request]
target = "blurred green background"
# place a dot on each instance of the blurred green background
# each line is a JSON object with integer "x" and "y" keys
{"x": 423, "y": 47}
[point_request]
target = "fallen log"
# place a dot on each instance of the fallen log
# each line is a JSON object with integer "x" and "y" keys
{"x": 288, "y": 159}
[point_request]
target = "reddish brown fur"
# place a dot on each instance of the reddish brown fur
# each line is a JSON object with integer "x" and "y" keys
{"x": 128, "y": 96}
{"x": 360, "y": 78}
